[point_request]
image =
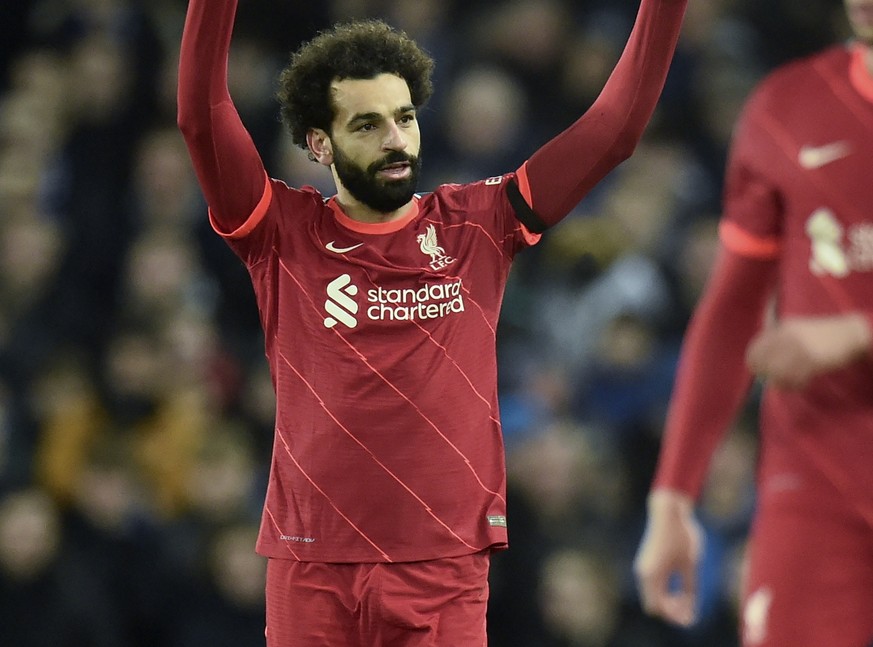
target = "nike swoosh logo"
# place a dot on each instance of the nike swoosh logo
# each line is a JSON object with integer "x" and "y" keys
{"x": 814, "y": 157}
{"x": 331, "y": 247}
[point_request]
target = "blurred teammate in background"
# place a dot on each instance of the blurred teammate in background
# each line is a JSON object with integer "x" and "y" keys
{"x": 789, "y": 302}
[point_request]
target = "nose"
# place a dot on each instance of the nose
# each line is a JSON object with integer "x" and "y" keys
{"x": 395, "y": 139}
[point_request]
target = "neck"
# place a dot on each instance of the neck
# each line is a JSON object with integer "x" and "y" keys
{"x": 357, "y": 210}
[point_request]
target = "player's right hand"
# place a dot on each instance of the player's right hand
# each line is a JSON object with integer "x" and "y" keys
{"x": 666, "y": 562}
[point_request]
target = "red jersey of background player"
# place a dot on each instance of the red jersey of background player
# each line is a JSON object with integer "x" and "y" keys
{"x": 381, "y": 338}
{"x": 798, "y": 190}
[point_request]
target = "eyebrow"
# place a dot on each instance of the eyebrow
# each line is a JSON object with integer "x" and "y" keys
{"x": 376, "y": 116}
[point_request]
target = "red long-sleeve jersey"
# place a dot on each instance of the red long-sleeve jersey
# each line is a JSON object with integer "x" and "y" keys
{"x": 381, "y": 337}
{"x": 797, "y": 226}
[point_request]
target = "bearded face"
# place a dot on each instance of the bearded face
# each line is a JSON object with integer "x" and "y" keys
{"x": 383, "y": 185}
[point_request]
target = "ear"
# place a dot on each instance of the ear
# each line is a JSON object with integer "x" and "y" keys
{"x": 320, "y": 146}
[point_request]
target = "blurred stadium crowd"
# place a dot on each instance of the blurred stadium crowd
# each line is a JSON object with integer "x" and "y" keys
{"x": 135, "y": 403}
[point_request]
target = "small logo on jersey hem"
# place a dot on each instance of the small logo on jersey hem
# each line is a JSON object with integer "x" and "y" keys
{"x": 297, "y": 540}
{"x": 331, "y": 247}
{"x": 814, "y": 157}
{"x": 496, "y": 520}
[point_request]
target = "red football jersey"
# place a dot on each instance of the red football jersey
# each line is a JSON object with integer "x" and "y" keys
{"x": 381, "y": 338}
{"x": 798, "y": 192}
{"x": 381, "y": 341}
{"x": 800, "y": 176}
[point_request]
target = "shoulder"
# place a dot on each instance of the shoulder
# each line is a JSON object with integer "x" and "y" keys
{"x": 284, "y": 210}
{"x": 783, "y": 84}
{"x": 811, "y": 64}
{"x": 470, "y": 193}
{"x": 303, "y": 200}
{"x": 305, "y": 193}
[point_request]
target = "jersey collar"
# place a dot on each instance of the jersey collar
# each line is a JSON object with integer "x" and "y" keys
{"x": 859, "y": 74}
{"x": 373, "y": 227}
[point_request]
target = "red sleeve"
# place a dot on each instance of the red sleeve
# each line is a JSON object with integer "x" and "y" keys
{"x": 564, "y": 170}
{"x": 228, "y": 166}
{"x": 712, "y": 379}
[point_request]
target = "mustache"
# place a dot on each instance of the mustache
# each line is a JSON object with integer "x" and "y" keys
{"x": 394, "y": 157}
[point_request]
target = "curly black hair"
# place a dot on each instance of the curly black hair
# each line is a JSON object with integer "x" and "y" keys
{"x": 356, "y": 50}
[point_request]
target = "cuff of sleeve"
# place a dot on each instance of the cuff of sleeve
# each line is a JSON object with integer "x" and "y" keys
{"x": 252, "y": 221}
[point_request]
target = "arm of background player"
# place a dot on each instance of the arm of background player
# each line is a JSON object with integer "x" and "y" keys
{"x": 228, "y": 166}
{"x": 712, "y": 379}
{"x": 711, "y": 383}
{"x": 563, "y": 171}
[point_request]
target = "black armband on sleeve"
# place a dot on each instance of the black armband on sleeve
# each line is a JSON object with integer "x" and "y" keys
{"x": 527, "y": 216}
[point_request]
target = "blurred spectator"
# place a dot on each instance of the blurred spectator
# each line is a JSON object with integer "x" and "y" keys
{"x": 225, "y": 605}
{"x": 113, "y": 536}
{"x": 484, "y": 123}
{"x": 45, "y": 597}
{"x": 222, "y": 488}
{"x": 581, "y": 599}
{"x": 70, "y": 417}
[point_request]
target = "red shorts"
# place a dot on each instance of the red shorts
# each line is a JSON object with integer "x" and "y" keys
{"x": 810, "y": 574}
{"x": 436, "y": 603}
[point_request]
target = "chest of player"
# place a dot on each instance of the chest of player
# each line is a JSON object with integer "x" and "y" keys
{"x": 821, "y": 163}
{"x": 424, "y": 276}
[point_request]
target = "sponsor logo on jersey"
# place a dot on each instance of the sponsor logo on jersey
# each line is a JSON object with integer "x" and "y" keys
{"x": 835, "y": 251}
{"x": 340, "y": 304}
{"x": 429, "y": 245}
{"x": 814, "y": 157}
{"x": 432, "y": 301}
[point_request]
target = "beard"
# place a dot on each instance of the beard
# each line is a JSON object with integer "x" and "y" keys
{"x": 384, "y": 196}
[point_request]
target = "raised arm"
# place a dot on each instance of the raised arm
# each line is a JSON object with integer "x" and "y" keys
{"x": 228, "y": 166}
{"x": 564, "y": 170}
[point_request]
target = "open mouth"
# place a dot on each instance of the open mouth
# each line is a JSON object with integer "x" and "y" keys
{"x": 396, "y": 171}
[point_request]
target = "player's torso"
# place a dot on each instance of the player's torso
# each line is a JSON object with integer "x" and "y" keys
{"x": 388, "y": 292}
{"x": 382, "y": 346}
{"x": 820, "y": 155}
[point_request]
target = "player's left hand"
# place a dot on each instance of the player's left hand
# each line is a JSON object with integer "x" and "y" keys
{"x": 794, "y": 350}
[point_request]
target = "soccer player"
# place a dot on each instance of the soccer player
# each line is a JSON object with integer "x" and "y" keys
{"x": 789, "y": 302}
{"x": 379, "y": 309}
